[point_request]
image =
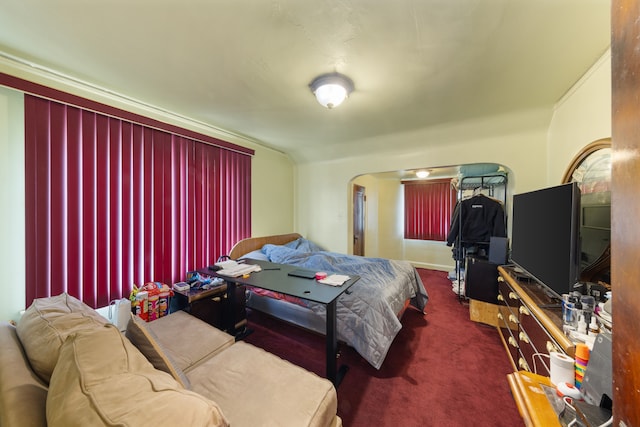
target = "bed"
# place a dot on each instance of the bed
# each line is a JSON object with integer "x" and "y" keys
{"x": 368, "y": 314}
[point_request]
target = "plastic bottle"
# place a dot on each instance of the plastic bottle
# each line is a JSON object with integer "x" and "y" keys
{"x": 570, "y": 312}
{"x": 588, "y": 304}
{"x": 582, "y": 324}
{"x": 594, "y": 329}
{"x": 577, "y": 315}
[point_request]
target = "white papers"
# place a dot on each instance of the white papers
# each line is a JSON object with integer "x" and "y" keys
{"x": 334, "y": 280}
{"x": 238, "y": 270}
{"x": 227, "y": 264}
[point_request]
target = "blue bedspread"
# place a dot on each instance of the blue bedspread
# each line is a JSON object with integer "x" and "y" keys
{"x": 367, "y": 315}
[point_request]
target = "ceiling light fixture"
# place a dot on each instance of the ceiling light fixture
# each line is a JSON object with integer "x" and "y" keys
{"x": 331, "y": 89}
{"x": 422, "y": 174}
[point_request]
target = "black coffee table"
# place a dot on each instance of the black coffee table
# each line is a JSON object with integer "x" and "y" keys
{"x": 275, "y": 277}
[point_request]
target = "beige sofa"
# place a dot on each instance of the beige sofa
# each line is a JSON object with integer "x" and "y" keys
{"x": 65, "y": 365}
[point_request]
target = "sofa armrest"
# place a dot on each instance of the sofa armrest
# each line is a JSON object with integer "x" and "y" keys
{"x": 23, "y": 395}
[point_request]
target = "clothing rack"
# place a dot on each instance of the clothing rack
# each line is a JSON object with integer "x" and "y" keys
{"x": 488, "y": 182}
{"x": 491, "y": 183}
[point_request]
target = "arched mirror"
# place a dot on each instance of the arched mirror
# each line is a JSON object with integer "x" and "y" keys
{"x": 591, "y": 169}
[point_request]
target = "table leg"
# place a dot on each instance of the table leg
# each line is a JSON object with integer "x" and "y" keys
{"x": 230, "y": 314}
{"x": 230, "y": 322}
{"x": 334, "y": 374}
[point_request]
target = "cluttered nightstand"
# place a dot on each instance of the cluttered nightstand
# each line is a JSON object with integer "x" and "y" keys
{"x": 210, "y": 304}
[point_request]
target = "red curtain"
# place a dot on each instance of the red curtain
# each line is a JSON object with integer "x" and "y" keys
{"x": 428, "y": 208}
{"x": 111, "y": 203}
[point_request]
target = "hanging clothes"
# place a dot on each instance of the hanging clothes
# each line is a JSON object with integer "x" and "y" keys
{"x": 475, "y": 221}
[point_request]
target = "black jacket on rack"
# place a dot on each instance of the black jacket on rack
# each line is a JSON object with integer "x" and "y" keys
{"x": 475, "y": 220}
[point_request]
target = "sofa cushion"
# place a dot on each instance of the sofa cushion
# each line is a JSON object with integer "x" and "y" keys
{"x": 23, "y": 395}
{"x": 101, "y": 379}
{"x": 146, "y": 341}
{"x": 45, "y": 325}
{"x": 258, "y": 388}
{"x": 188, "y": 340}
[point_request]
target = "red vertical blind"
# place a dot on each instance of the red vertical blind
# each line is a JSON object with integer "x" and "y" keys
{"x": 428, "y": 208}
{"x": 111, "y": 203}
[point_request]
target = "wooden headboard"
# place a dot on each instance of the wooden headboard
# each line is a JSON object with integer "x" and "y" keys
{"x": 253, "y": 243}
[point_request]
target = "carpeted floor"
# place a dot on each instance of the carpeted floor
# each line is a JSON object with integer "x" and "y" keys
{"x": 442, "y": 369}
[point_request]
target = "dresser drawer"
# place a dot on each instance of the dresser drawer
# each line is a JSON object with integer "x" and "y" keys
{"x": 536, "y": 341}
{"x": 527, "y": 340}
{"x": 508, "y": 323}
{"x": 532, "y": 323}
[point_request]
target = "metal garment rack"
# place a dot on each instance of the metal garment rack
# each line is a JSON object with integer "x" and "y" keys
{"x": 480, "y": 182}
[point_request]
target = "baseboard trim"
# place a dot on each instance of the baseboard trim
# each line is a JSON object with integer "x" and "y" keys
{"x": 430, "y": 266}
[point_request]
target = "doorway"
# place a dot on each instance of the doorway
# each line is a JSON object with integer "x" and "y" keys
{"x": 359, "y": 199}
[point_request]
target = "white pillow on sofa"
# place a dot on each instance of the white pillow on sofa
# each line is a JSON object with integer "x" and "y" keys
{"x": 101, "y": 379}
{"x": 45, "y": 325}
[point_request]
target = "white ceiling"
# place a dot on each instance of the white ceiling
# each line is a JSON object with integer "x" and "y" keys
{"x": 244, "y": 65}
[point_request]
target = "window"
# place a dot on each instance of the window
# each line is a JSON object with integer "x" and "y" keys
{"x": 428, "y": 208}
{"x": 111, "y": 203}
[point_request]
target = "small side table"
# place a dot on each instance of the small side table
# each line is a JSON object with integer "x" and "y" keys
{"x": 205, "y": 304}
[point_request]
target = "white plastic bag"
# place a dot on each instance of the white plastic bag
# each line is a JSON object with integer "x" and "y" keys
{"x": 120, "y": 313}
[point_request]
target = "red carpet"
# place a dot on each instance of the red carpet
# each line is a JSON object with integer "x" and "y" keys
{"x": 442, "y": 369}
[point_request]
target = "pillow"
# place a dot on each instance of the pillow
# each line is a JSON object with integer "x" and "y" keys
{"x": 257, "y": 254}
{"x": 101, "y": 379}
{"x": 304, "y": 245}
{"x": 45, "y": 325}
{"x": 147, "y": 342}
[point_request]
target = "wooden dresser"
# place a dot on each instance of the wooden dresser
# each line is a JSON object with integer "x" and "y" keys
{"x": 530, "y": 322}
{"x": 530, "y": 325}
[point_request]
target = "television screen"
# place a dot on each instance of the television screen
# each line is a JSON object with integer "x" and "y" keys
{"x": 595, "y": 230}
{"x": 545, "y": 238}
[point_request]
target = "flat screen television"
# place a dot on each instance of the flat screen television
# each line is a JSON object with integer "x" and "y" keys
{"x": 545, "y": 236}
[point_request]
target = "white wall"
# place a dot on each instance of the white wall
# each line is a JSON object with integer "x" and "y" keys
{"x": 581, "y": 117}
{"x": 390, "y": 231}
{"x": 272, "y": 184}
{"x": 12, "y": 204}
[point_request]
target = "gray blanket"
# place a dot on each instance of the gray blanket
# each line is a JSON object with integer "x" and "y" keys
{"x": 367, "y": 314}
